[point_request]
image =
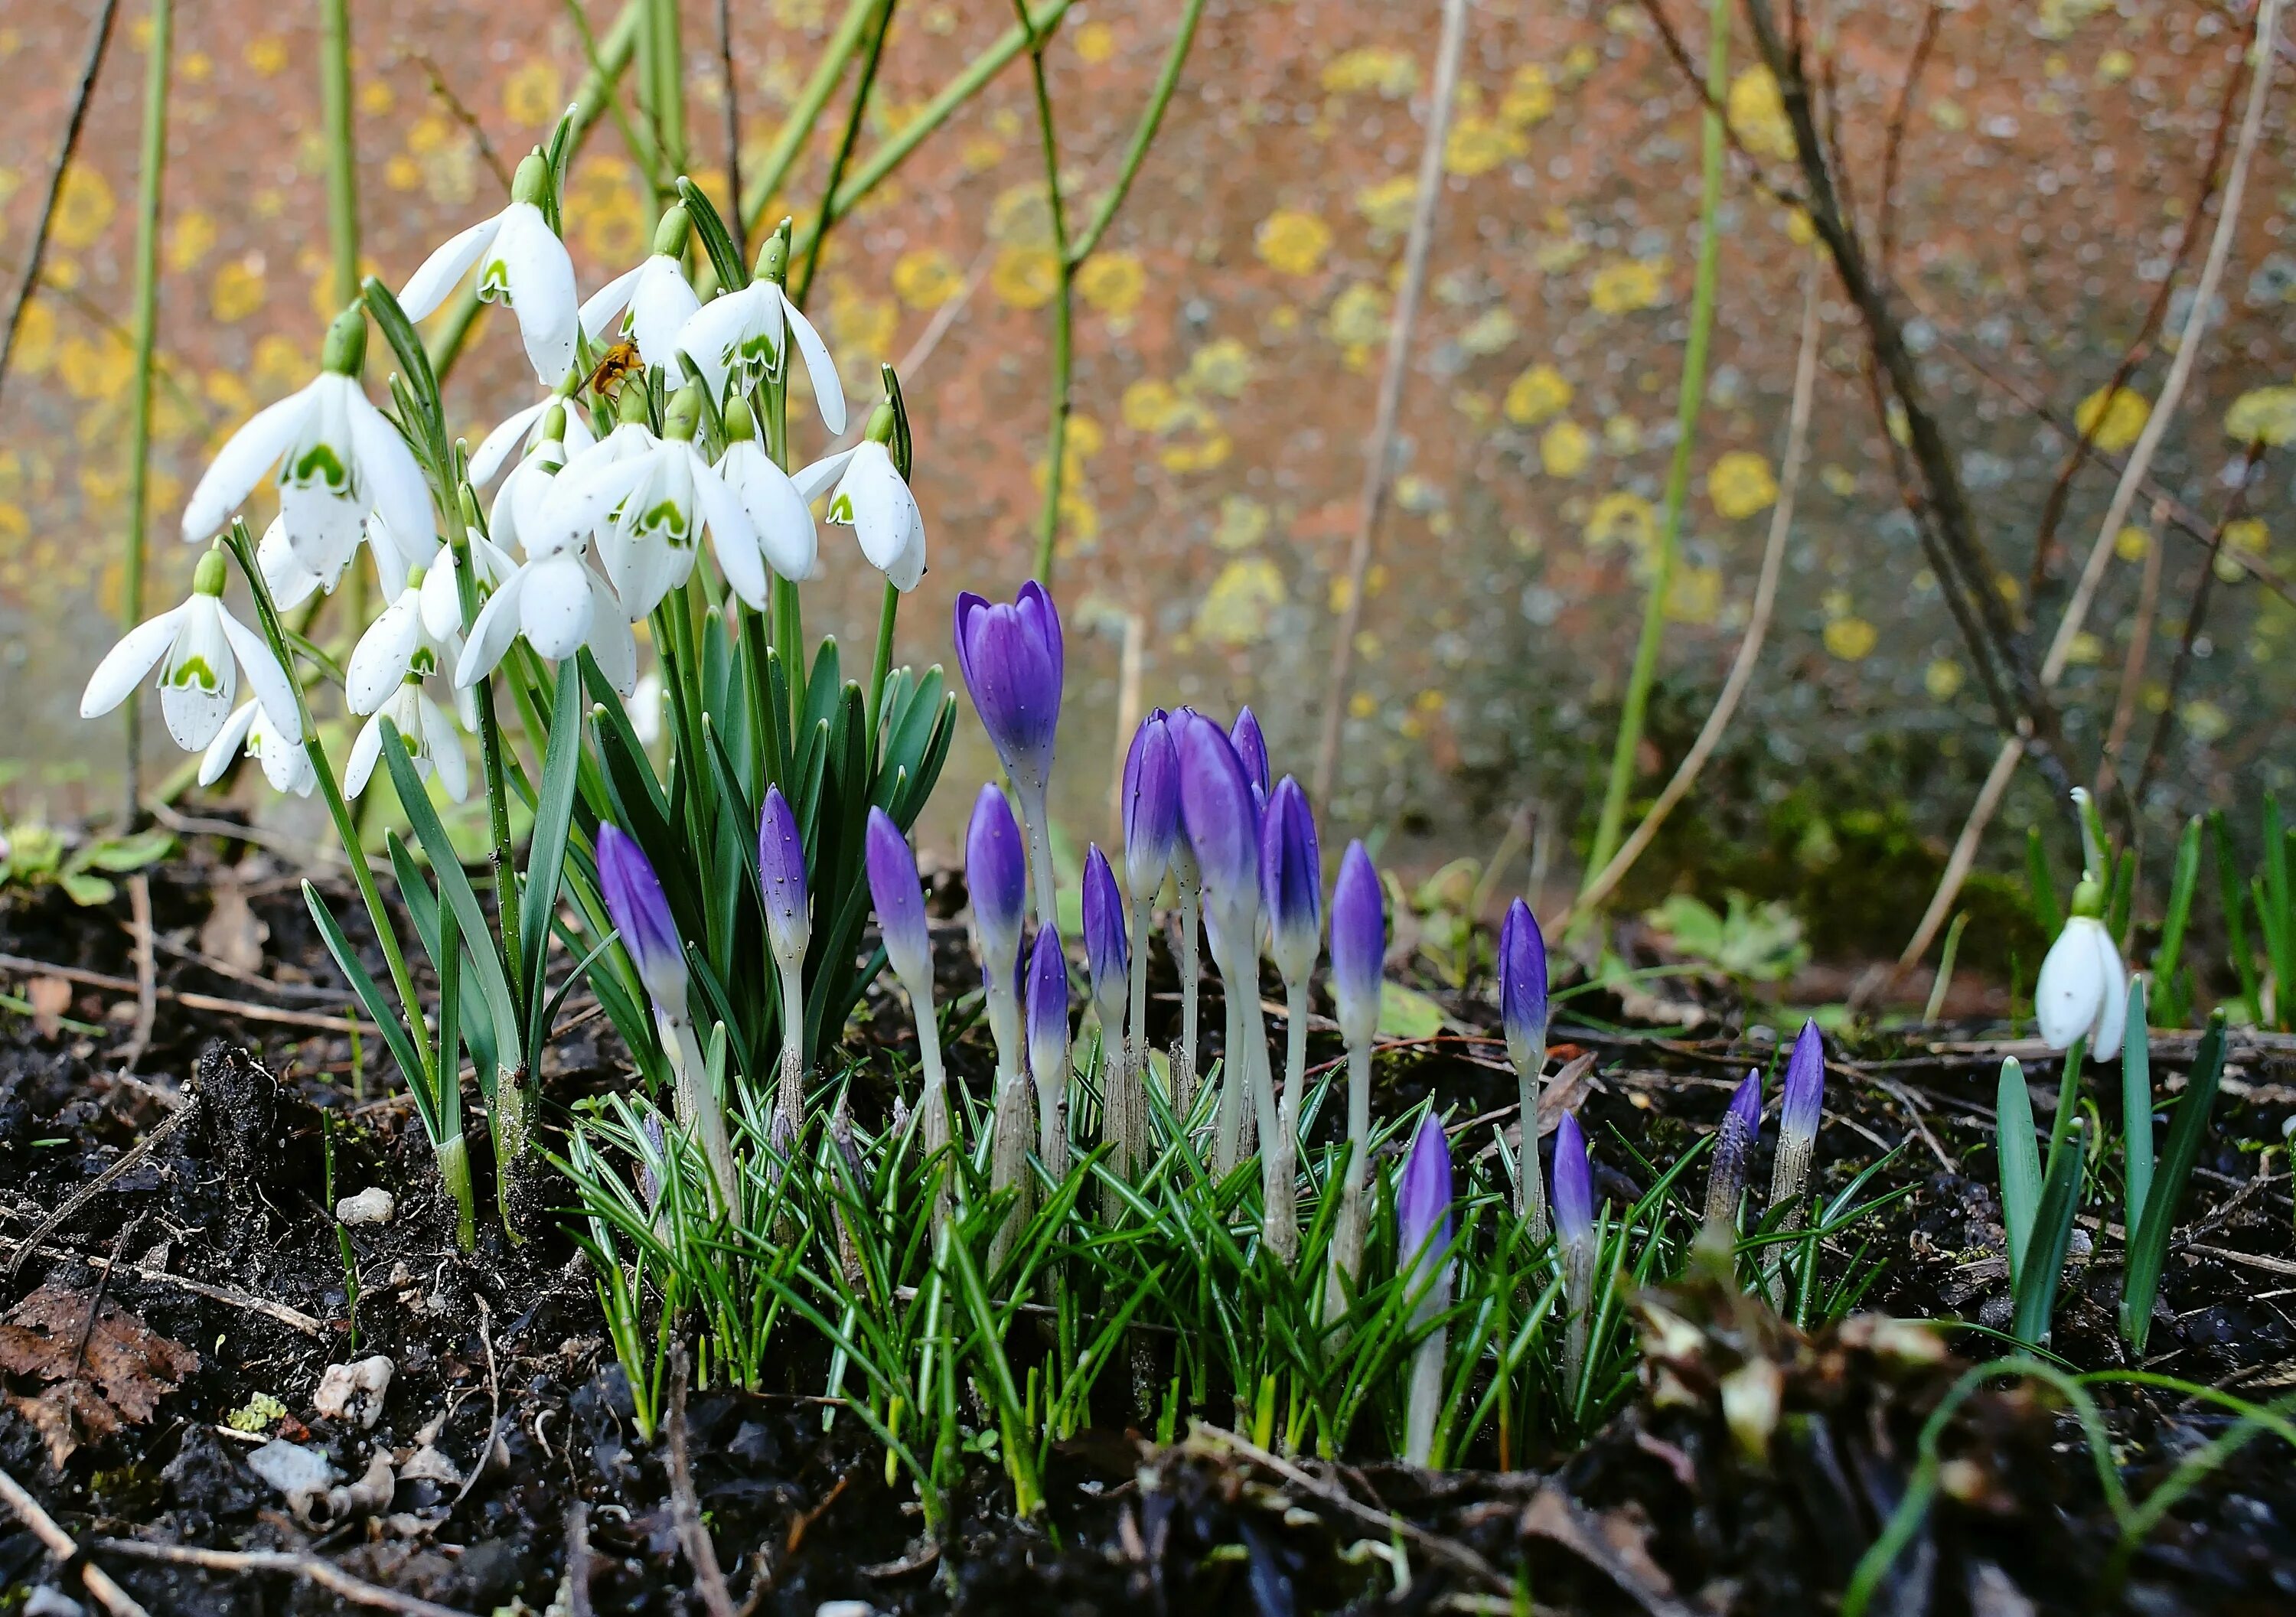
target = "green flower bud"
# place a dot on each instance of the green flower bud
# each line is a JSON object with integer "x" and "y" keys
{"x": 554, "y": 424}
{"x": 881, "y": 422}
{"x": 630, "y": 408}
{"x": 344, "y": 352}
{"x": 2089, "y": 899}
{"x": 683, "y": 414}
{"x": 774, "y": 256}
{"x": 207, "y": 578}
{"x": 531, "y": 183}
{"x": 741, "y": 426}
{"x": 669, "y": 236}
{"x": 415, "y": 576}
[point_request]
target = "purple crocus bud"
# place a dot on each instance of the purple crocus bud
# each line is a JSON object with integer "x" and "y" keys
{"x": 641, "y": 915}
{"x": 1048, "y": 1009}
{"x": 1800, "y": 1109}
{"x": 1106, "y": 952}
{"x": 1222, "y": 821}
{"x": 1012, "y": 658}
{"x": 1152, "y": 804}
{"x": 894, "y": 888}
{"x": 1422, "y": 1205}
{"x": 1733, "y": 1142}
{"x": 1523, "y": 989}
{"x": 997, "y": 874}
{"x": 1574, "y": 1184}
{"x": 1252, "y": 747}
{"x": 781, "y": 872}
{"x": 1292, "y": 881}
{"x": 1359, "y": 945}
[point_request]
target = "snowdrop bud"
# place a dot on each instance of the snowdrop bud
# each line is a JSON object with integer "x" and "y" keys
{"x": 894, "y": 889}
{"x": 1522, "y": 988}
{"x": 1359, "y": 945}
{"x": 1292, "y": 881}
{"x": 669, "y": 236}
{"x": 780, "y": 871}
{"x": 1107, "y": 953}
{"x": 640, "y": 913}
{"x": 531, "y": 183}
{"x": 1733, "y": 1142}
{"x": 997, "y": 874}
{"x": 345, "y": 350}
{"x": 1048, "y": 1009}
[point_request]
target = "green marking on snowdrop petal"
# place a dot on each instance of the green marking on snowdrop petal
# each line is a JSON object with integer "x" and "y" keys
{"x": 841, "y": 509}
{"x": 193, "y": 671}
{"x": 494, "y": 282}
{"x": 665, "y": 518}
{"x": 320, "y": 463}
{"x": 422, "y": 664}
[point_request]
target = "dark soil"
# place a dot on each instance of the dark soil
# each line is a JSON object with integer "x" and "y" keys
{"x": 1664, "y": 1511}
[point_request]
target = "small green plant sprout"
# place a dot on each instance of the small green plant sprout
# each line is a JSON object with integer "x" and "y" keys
{"x": 2152, "y": 1210}
{"x": 33, "y": 855}
{"x": 2038, "y": 1206}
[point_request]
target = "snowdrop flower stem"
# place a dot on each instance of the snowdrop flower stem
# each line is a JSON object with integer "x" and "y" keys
{"x": 490, "y": 747}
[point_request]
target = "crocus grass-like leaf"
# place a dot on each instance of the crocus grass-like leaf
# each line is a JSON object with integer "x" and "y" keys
{"x": 2040, "y": 886}
{"x": 716, "y": 240}
{"x": 411, "y": 1066}
{"x": 2021, "y": 1160}
{"x": 2035, "y": 1289}
{"x": 454, "y": 892}
{"x": 554, "y": 818}
{"x": 2148, "y": 1248}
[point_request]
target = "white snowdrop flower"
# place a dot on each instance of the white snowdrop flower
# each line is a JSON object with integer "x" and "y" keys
{"x": 643, "y": 709}
{"x": 529, "y": 429}
{"x": 2083, "y": 991}
{"x": 412, "y": 638}
{"x": 431, "y": 740}
{"x": 742, "y": 337}
{"x": 285, "y": 764}
{"x": 648, "y": 500}
{"x": 338, "y": 459}
{"x": 870, "y": 497}
{"x": 781, "y": 517}
{"x": 290, "y": 582}
{"x": 654, "y": 296}
{"x": 521, "y": 264}
{"x": 558, "y": 601}
{"x": 199, "y": 648}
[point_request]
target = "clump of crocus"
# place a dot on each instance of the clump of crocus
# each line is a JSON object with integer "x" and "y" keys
{"x": 995, "y": 872}
{"x": 1422, "y": 1217}
{"x": 1523, "y": 1010}
{"x": 1734, "y": 1143}
{"x": 640, "y": 911}
{"x": 1012, "y": 658}
{"x": 1048, "y": 1048}
{"x": 788, "y": 928}
{"x": 1107, "y": 958}
{"x": 899, "y": 899}
{"x": 1291, "y": 887}
{"x": 1801, "y": 1104}
{"x": 1574, "y": 1232}
{"x": 1223, "y": 825}
{"x": 1359, "y": 954}
{"x": 1152, "y": 833}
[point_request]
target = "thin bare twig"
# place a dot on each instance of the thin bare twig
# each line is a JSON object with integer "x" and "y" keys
{"x": 732, "y": 130}
{"x": 247, "y": 1009}
{"x": 1757, "y": 624}
{"x": 31, "y": 279}
{"x": 2132, "y": 666}
{"x": 1756, "y": 173}
{"x": 324, "y": 1573}
{"x": 464, "y": 116}
{"x": 61, "y": 1544}
{"x": 147, "y": 984}
{"x": 94, "y": 1187}
{"x": 1379, "y": 451}
{"x": 692, "y": 1534}
{"x": 577, "y": 1562}
{"x": 1895, "y": 145}
{"x": 2201, "y": 594}
{"x": 280, "y": 1311}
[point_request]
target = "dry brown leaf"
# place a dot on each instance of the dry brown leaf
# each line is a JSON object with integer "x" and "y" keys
{"x": 50, "y": 998}
{"x": 128, "y": 1367}
{"x": 232, "y": 933}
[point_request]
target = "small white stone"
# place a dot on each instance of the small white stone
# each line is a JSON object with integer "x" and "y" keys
{"x": 354, "y": 1390}
{"x": 373, "y": 1206}
{"x": 302, "y": 1473}
{"x": 845, "y": 1608}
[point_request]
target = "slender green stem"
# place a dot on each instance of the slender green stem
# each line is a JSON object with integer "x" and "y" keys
{"x": 846, "y": 142}
{"x": 1056, "y": 435}
{"x": 147, "y": 305}
{"x": 505, "y": 856}
{"x": 881, "y": 668}
{"x": 243, "y": 549}
{"x": 1143, "y": 137}
{"x": 668, "y": 105}
{"x": 1612, "y": 822}
{"x": 343, "y": 154}
{"x": 798, "y": 127}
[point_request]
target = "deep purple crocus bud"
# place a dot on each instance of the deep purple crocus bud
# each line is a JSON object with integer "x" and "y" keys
{"x": 1107, "y": 953}
{"x": 641, "y": 915}
{"x": 1800, "y": 1108}
{"x": 1522, "y": 988}
{"x": 997, "y": 874}
{"x": 1222, "y": 822}
{"x": 1733, "y": 1142}
{"x": 1573, "y": 1199}
{"x": 1250, "y": 746}
{"x": 1152, "y": 804}
{"x": 1012, "y": 658}
{"x": 1359, "y": 945}
{"x": 1423, "y": 1204}
{"x": 780, "y": 873}
{"x": 1048, "y": 1009}
{"x": 1292, "y": 881}
{"x": 899, "y": 899}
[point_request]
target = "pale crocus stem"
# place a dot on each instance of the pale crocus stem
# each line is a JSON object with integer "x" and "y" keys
{"x": 1530, "y": 1183}
{"x": 790, "y": 1113}
{"x": 933, "y": 1124}
{"x": 1135, "y": 1044}
{"x": 1422, "y": 1217}
{"x": 1008, "y": 1160}
{"x": 1040, "y": 853}
{"x": 1579, "y": 1296}
{"x": 1426, "y": 1401}
{"x": 697, "y": 1107}
{"x": 1279, "y": 1188}
{"x": 1348, "y": 1235}
{"x": 1192, "y": 973}
{"x": 1227, "y": 1142}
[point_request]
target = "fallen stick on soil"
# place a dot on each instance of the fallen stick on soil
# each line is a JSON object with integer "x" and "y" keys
{"x": 88, "y": 1192}
{"x": 279, "y": 1312}
{"x": 321, "y": 1022}
{"x": 692, "y": 1534}
{"x": 325, "y": 1574}
{"x": 59, "y": 1543}
{"x": 1452, "y": 1552}
{"x": 577, "y": 1562}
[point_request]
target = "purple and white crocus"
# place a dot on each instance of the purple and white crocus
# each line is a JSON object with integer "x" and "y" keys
{"x": 1734, "y": 1144}
{"x": 1048, "y": 1048}
{"x": 1422, "y": 1217}
{"x": 1574, "y": 1234}
{"x": 1522, "y": 1011}
{"x": 1108, "y": 960}
{"x": 1292, "y": 889}
{"x": 1152, "y": 831}
{"x": 640, "y": 913}
{"x": 893, "y": 887}
{"x": 1801, "y": 1105}
{"x": 1222, "y": 821}
{"x": 788, "y": 928}
{"x": 1012, "y": 658}
{"x": 1358, "y": 956}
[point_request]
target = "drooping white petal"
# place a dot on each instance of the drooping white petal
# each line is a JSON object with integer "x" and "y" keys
{"x": 378, "y": 660}
{"x": 883, "y": 513}
{"x": 264, "y": 677}
{"x": 285, "y": 764}
{"x": 366, "y": 750}
{"x": 2071, "y": 991}
{"x": 828, "y": 392}
{"x": 2112, "y": 1024}
{"x": 557, "y": 610}
{"x": 777, "y": 510}
{"x": 227, "y": 742}
{"x": 427, "y": 288}
{"x": 907, "y": 566}
{"x": 124, "y": 666}
{"x": 246, "y": 456}
{"x": 443, "y": 742}
{"x": 290, "y": 582}
{"x": 659, "y": 308}
{"x": 716, "y": 333}
{"x": 393, "y": 479}
{"x": 611, "y": 641}
{"x": 529, "y": 270}
{"x": 719, "y": 508}
{"x": 198, "y": 679}
{"x": 495, "y": 627}
{"x": 580, "y": 498}
{"x": 600, "y": 308}
{"x": 811, "y": 483}
{"x": 499, "y": 445}
{"x": 440, "y": 598}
